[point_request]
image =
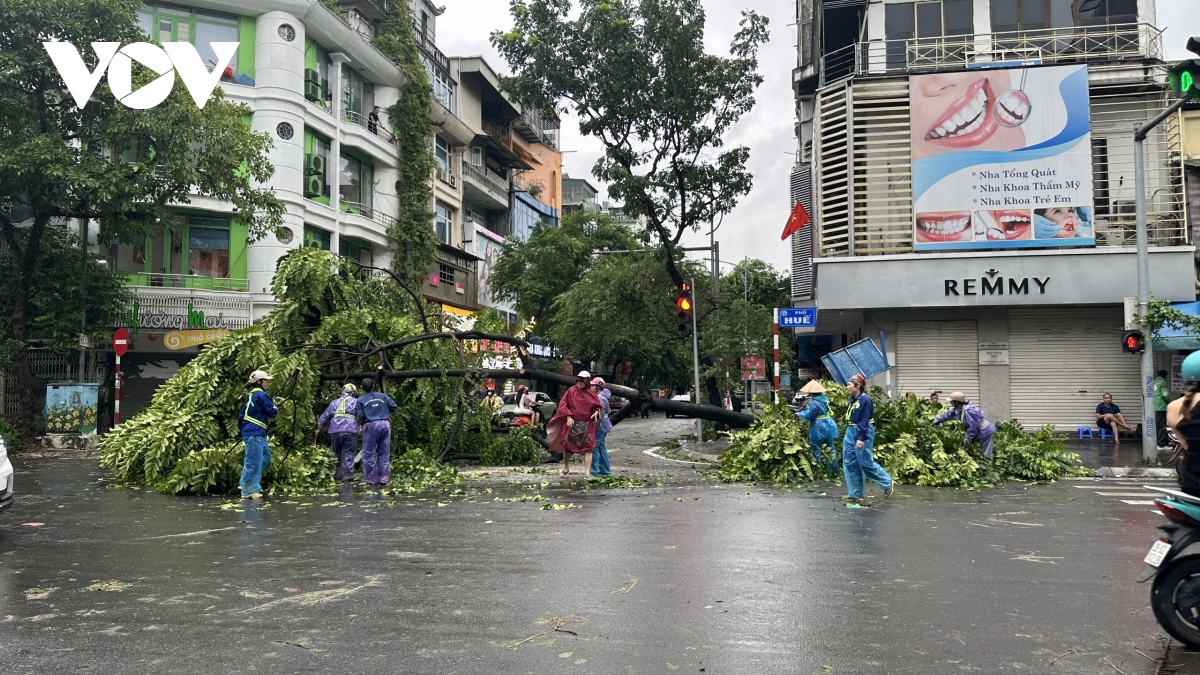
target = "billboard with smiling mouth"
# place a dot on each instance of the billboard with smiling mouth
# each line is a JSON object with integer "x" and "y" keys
{"x": 1001, "y": 159}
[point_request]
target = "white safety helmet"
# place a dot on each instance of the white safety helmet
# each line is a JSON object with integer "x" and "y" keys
{"x": 258, "y": 376}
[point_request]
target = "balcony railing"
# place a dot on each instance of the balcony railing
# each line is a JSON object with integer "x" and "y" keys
{"x": 486, "y": 180}
{"x": 425, "y": 44}
{"x": 536, "y": 127}
{"x": 1133, "y": 41}
{"x": 368, "y": 212}
{"x": 156, "y": 280}
{"x": 501, "y": 133}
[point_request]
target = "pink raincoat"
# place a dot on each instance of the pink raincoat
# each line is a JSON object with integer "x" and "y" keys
{"x": 579, "y": 405}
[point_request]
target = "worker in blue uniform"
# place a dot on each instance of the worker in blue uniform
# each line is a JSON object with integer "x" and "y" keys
{"x": 374, "y": 415}
{"x": 255, "y": 411}
{"x": 858, "y": 462}
{"x": 822, "y": 430}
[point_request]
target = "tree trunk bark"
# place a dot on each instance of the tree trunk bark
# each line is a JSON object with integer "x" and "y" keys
{"x": 22, "y": 371}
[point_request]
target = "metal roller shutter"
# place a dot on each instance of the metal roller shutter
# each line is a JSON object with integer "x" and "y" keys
{"x": 144, "y": 373}
{"x": 937, "y": 356}
{"x": 1061, "y": 361}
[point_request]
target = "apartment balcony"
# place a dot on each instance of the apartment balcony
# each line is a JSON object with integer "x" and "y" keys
{"x": 368, "y": 212}
{"x": 484, "y": 187}
{"x": 426, "y": 45}
{"x": 536, "y": 127}
{"x": 183, "y": 281}
{"x": 1077, "y": 44}
{"x": 452, "y": 278}
{"x": 375, "y": 10}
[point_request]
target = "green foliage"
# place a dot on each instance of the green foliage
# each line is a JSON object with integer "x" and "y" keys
{"x": 64, "y": 287}
{"x": 775, "y": 448}
{"x": 1161, "y": 315}
{"x": 187, "y": 440}
{"x": 417, "y": 470}
{"x": 515, "y": 448}
{"x": 742, "y": 324}
{"x": 412, "y": 237}
{"x": 533, "y": 273}
{"x": 638, "y": 75}
{"x": 12, "y": 437}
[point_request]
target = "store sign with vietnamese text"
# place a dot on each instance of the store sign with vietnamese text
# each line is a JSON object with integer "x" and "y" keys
{"x": 159, "y": 320}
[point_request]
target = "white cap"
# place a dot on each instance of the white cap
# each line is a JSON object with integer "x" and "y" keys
{"x": 257, "y": 376}
{"x": 584, "y": 374}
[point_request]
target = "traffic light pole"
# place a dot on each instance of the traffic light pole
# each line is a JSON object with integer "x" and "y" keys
{"x": 1149, "y": 433}
{"x": 696, "y": 364}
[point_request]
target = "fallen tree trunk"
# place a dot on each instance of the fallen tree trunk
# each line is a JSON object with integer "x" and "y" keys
{"x": 681, "y": 408}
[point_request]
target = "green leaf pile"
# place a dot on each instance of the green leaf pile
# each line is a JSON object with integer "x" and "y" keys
{"x": 775, "y": 448}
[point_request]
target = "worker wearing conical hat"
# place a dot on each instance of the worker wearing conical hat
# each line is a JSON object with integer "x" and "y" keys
{"x": 822, "y": 430}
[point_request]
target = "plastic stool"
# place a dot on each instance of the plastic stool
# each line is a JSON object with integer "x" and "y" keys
{"x": 1105, "y": 433}
{"x": 1085, "y": 432}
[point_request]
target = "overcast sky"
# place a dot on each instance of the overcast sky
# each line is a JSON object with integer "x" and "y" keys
{"x": 753, "y": 229}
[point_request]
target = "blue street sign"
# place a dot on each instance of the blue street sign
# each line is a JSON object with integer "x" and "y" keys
{"x": 797, "y": 317}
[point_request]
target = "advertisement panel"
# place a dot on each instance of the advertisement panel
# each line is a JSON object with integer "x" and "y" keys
{"x": 1001, "y": 159}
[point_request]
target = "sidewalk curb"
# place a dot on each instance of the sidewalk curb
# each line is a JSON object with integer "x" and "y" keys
{"x": 1134, "y": 472}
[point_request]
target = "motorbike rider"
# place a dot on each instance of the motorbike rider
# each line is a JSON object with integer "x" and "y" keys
{"x": 822, "y": 430}
{"x": 1184, "y": 419}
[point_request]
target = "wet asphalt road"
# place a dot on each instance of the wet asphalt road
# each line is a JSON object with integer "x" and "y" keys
{"x": 690, "y": 576}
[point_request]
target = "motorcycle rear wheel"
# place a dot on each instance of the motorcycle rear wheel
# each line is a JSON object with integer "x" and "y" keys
{"x": 1175, "y": 599}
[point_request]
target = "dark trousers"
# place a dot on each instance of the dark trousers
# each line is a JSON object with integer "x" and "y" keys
{"x": 1160, "y": 425}
{"x": 344, "y": 446}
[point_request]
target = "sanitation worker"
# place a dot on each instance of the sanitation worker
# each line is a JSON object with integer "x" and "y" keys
{"x": 256, "y": 410}
{"x": 971, "y": 415}
{"x": 858, "y": 462}
{"x": 342, "y": 422}
{"x": 374, "y": 414}
{"x": 822, "y": 430}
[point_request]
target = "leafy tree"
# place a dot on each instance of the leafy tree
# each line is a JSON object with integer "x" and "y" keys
{"x": 534, "y": 273}
{"x": 64, "y": 287}
{"x": 742, "y": 324}
{"x": 125, "y": 169}
{"x": 637, "y": 74}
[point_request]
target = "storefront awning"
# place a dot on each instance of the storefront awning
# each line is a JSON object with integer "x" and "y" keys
{"x": 1178, "y": 338}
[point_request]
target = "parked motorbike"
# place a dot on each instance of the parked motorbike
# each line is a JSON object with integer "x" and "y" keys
{"x": 1174, "y": 564}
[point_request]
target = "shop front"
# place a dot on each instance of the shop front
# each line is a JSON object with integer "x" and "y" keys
{"x": 1032, "y": 335}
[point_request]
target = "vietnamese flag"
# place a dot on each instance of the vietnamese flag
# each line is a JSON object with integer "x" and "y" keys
{"x": 797, "y": 220}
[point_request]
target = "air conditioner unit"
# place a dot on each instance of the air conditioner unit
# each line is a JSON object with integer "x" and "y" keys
{"x": 447, "y": 177}
{"x": 314, "y": 186}
{"x": 314, "y": 165}
{"x": 313, "y": 90}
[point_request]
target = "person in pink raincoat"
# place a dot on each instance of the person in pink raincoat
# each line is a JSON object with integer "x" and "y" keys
{"x": 572, "y": 430}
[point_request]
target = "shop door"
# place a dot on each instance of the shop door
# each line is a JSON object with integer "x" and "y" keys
{"x": 144, "y": 373}
{"x": 1061, "y": 361}
{"x": 941, "y": 356}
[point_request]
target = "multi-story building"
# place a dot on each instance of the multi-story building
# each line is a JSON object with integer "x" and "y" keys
{"x": 919, "y": 124}
{"x": 578, "y": 193}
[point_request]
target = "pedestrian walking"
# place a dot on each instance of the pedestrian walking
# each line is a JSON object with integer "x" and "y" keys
{"x": 256, "y": 410}
{"x": 1161, "y": 396}
{"x": 600, "y": 465}
{"x": 1183, "y": 418}
{"x": 374, "y": 415}
{"x": 858, "y": 462}
{"x": 341, "y": 420}
{"x": 573, "y": 428}
{"x": 971, "y": 415}
{"x": 822, "y": 430}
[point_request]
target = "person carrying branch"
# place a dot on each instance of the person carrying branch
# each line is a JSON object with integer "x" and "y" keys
{"x": 971, "y": 415}
{"x": 342, "y": 422}
{"x": 374, "y": 415}
{"x": 256, "y": 410}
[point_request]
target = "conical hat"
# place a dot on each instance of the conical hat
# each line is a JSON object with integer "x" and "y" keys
{"x": 813, "y": 387}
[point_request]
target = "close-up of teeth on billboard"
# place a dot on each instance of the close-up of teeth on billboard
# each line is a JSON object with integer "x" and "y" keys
{"x": 1001, "y": 159}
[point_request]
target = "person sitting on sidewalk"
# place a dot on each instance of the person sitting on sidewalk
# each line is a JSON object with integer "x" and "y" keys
{"x": 1108, "y": 416}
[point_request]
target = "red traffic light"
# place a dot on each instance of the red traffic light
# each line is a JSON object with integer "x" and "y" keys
{"x": 685, "y": 287}
{"x": 1133, "y": 342}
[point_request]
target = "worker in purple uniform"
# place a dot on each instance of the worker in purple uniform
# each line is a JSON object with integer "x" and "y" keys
{"x": 971, "y": 415}
{"x": 342, "y": 422}
{"x": 374, "y": 413}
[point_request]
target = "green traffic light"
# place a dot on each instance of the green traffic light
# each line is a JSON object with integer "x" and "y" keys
{"x": 1185, "y": 81}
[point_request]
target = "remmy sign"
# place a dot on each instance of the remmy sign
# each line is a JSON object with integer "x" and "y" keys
{"x": 166, "y": 59}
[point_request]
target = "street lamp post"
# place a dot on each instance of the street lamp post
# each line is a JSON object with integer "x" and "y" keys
{"x": 1149, "y": 433}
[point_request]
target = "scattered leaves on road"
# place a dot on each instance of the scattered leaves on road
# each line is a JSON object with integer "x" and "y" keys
{"x": 39, "y": 593}
{"x": 109, "y": 586}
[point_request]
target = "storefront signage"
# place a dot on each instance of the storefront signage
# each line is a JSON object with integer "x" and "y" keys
{"x": 994, "y": 283}
{"x": 993, "y": 353}
{"x": 797, "y": 317}
{"x": 1001, "y": 159}
{"x": 182, "y": 339}
{"x": 194, "y": 319}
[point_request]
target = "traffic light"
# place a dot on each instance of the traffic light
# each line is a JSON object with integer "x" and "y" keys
{"x": 1185, "y": 75}
{"x": 686, "y": 304}
{"x": 1133, "y": 342}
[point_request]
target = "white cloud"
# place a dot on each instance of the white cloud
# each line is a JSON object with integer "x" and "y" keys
{"x": 752, "y": 230}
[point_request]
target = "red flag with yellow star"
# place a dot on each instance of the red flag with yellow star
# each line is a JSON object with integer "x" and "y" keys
{"x": 797, "y": 220}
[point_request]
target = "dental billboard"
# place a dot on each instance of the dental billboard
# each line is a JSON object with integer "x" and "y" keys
{"x": 1001, "y": 159}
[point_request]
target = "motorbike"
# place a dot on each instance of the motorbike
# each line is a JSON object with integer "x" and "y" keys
{"x": 1173, "y": 563}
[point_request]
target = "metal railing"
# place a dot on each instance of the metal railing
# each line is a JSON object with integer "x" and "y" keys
{"x": 485, "y": 179}
{"x": 157, "y": 280}
{"x": 501, "y": 133}
{"x": 534, "y": 126}
{"x": 425, "y": 44}
{"x": 370, "y": 212}
{"x": 1074, "y": 44}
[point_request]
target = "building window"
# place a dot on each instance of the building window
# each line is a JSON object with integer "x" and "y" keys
{"x": 443, "y": 222}
{"x": 446, "y": 274}
{"x": 443, "y": 86}
{"x": 164, "y": 23}
{"x": 315, "y": 237}
{"x": 358, "y": 96}
{"x": 908, "y": 20}
{"x": 128, "y": 258}
{"x": 208, "y": 248}
{"x": 441, "y": 151}
{"x": 1019, "y": 15}
{"x": 1101, "y": 12}
{"x": 357, "y": 184}
{"x": 355, "y": 250}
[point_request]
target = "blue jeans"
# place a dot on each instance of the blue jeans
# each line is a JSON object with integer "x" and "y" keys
{"x": 600, "y": 456}
{"x": 258, "y": 456}
{"x": 859, "y": 463}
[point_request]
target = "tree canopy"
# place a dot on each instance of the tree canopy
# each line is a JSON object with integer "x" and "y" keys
{"x": 638, "y": 75}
